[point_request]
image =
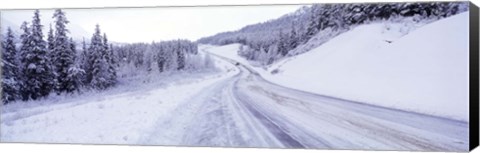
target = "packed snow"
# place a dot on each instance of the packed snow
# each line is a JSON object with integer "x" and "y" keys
{"x": 424, "y": 71}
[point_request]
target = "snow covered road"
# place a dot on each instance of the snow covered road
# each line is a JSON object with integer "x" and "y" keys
{"x": 248, "y": 111}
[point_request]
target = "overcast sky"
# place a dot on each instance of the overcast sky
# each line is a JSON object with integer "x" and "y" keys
{"x": 155, "y": 24}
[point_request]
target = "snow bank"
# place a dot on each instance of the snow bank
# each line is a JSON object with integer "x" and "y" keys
{"x": 424, "y": 71}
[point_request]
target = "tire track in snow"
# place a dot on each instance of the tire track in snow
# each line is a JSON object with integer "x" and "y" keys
{"x": 284, "y": 137}
{"x": 242, "y": 111}
{"x": 390, "y": 129}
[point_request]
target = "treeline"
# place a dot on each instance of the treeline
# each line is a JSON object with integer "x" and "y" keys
{"x": 274, "y": 39}
{"x": 159, "y": 57}
{"x": 38, "y": 67}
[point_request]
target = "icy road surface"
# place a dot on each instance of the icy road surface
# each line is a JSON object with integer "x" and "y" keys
{"x": 248, "y": 111}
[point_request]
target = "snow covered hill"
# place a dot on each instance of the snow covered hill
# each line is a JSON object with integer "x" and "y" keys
{"x": 424, "y": 71}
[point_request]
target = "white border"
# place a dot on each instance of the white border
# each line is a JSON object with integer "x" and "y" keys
{"x": 63, "y": 148}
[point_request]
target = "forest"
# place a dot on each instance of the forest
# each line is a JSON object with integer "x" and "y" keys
{"x": 35, "y": 66}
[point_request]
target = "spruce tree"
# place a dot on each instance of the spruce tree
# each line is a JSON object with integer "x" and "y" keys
{"x": 10, "y": 84}
{"x": 108, "y": 55}
{"x": 64, "y": 56}
{"x": 293, "y": 38}
{"x": 51, "y": 53}
{"x": 112, "y": 66}
{"x": 313, "y": 23}
{"x": 83, "y": 62}
{"x": 36, "y": 70}
{"x": 74, "y": 72}
{"x": 98, "y": 72}
{"x": 161, "y": 58}
{"x": 25, "y": 41}
{"x": 50, "y": 42}
{"x": 180, "y": 56}
{"x": 282, "y": 44}
{"x": 73, "y": 48}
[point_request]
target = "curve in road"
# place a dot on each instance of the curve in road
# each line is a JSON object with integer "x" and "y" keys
{"x": 245, "y": 110}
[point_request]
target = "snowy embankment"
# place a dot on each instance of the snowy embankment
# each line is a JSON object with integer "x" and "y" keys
{"x": 425, "y": 71}
{"x": 119, "y": 116}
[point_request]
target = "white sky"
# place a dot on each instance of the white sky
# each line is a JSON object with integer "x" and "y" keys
{"x": 155, "y": 24}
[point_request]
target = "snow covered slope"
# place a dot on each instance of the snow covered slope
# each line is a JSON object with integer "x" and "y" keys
{"x": 425, "y": 71}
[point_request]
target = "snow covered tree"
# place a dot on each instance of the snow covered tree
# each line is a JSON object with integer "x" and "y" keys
{"x": 10, "y": 85}
{"x": 161, "y": 58}
{"x": 171, "y": 56}
{"x": 25, "y": 41}
{"x": 174, "y": 55}
{"x": 108, "y": 55}
{"x": 73, "y": 48}
{"x": 148, "y": 58}
{"x": 83, "y": 63}
{"x": 36, "y": 71}
{"x": 51, "y": 42}
{"x": 74, "y": 72}
{"x": 64, "y": 55}
{"x": 51, "y": 53}
{"x": 97, "y": 74}
{"x": 180, "y": 56}
{"x": 312, "y": 25}
{"x": 112, "y": 65}
{"x": 282, "y": 44}
{"x": 293, "y": 40}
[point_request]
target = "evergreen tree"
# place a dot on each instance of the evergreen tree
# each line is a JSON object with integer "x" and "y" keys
{"x": 73, "y": 48}
{"x": 10, "y": 84}
{"x": 75, "y": 72}
{"x": 64, "y": 56}
{"x": 282, "y": 44}
{"x": 98, "y": 72}
{"x": 293, "y": 38}
{"x": 161, "y": 58}
{"x": 51, "y": 53}
{"x": 313, "y": 23}
{"x": 83, "y": 62}
{"x": 51, "y": 42}
{"x": 109, "y": 57}
{"x": 148, "y": 58}
{"x": 113, "y": 59}
{"x": 180, "y": 56}
{"x": 25, "y": 47}
{"x": 36, "y": 70}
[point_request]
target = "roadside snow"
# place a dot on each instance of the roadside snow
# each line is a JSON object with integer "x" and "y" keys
{"x": 117, "y": 117}
{"x": 424, "y": 71}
